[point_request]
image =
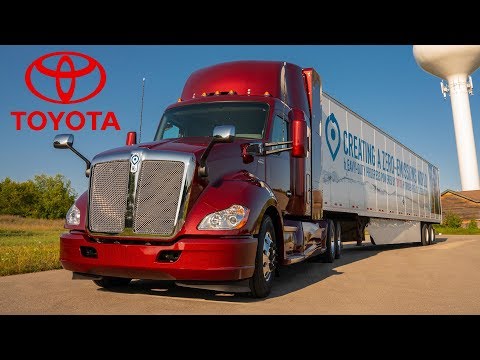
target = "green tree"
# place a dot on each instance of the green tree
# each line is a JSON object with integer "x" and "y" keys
{"x": 55, "y": 196}
{"x": 18, "y": 198}
{"x": 452, "y": 220}
{"x": 43, "y": 197}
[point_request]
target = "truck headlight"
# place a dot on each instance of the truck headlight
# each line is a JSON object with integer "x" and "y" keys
{"x": 232, "y": 218}
{"x": 73, "y": 215}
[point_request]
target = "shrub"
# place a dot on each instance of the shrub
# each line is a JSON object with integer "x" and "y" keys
{"x": 472, "y": 225}
{"x": 452, "y": 220}
{"x": 47, "y": 197}
{"x": 18, "y": 198}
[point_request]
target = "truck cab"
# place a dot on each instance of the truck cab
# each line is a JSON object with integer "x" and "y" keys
{"x": 230, "y": 188}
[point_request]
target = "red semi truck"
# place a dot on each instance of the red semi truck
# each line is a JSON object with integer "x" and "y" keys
{"x": 239, "y": 179}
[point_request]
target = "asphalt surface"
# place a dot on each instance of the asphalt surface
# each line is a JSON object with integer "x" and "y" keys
{"x": 443, "y": 278}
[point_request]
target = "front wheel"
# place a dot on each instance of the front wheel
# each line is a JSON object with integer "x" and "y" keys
{"x": 111, "y": 282}
{"x": 265, "y": 260}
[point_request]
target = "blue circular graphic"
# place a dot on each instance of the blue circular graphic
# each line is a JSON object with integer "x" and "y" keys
{"x": 333, "y": 142}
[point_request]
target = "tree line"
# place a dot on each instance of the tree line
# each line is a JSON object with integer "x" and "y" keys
{"x": 44, "y": 196}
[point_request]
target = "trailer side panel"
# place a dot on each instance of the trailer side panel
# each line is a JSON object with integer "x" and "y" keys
{"x": 367, "y": 172}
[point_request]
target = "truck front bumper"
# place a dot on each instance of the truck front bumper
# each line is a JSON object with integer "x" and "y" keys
{"x": 202, "y": 259}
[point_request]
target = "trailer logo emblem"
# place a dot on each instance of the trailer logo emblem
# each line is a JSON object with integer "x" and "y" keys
{"x": 134, "y": 160}
{"x": 65, "y": 73}
{"x": 332, "y": 133}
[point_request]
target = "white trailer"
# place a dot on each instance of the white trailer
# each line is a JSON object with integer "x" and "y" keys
{"x": 367, "y": 174}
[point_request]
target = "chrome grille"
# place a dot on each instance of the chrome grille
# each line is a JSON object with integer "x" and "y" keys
{"x": 158, "y": 194}
{"x": 108, "y": 196}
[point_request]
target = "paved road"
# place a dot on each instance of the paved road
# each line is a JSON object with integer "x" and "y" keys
{"x": 443, "y": 278}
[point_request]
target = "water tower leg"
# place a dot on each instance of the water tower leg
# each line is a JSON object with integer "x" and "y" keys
{"x": 462, "y": 121}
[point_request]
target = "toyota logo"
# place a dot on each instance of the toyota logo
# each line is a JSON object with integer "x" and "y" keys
{"x": 65, "y": 69}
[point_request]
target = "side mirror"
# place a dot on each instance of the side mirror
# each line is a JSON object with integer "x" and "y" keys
{"x": 299, "y": 133}
{"x": 131, "y": 138}
{"x": 224, "y": 133}
{"x": 221, "y": 134}
{"x": 63, "y": 141}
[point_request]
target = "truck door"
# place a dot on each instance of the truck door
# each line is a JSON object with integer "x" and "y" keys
{"x": 278, "y": 164}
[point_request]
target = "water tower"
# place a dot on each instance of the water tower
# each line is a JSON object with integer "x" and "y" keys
{"x": 455, "y": 63}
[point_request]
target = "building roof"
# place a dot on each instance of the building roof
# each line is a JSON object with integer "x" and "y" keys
{"x": 471, "y": 195}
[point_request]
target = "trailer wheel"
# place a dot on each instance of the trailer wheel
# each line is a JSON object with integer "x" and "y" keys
{"x": 329, "y": 255}
{"x": 425, "y": 235}
{"x": 338, "y": 240}
{"x": 265, "y": 261}
{"x": 432, "y": 233}
{"x": 111, "y": 282}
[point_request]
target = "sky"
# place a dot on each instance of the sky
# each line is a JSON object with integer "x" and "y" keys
{"x": 382, "y": 83}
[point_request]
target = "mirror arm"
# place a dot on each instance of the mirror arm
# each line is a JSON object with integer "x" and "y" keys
{"x": 65, "y": 141}
{"x": 87, "y": 171}
{"x": 202, "y": 169}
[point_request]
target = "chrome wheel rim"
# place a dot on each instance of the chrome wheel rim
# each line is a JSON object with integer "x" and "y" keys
{"x": 268, "y": 256}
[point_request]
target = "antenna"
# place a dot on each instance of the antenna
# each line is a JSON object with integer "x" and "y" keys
{"x": 141, "y": 112}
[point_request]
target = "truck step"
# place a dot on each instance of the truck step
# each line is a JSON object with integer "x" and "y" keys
{"x": 292, "y": 259}
{"x": 290, "y": 228}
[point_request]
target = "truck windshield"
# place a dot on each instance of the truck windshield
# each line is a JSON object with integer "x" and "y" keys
{"x": 199, "y": 120}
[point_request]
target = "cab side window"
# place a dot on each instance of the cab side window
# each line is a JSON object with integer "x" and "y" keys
{"x": 279, "y": 132}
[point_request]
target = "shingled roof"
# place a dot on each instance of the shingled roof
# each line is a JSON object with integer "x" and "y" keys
{"x": 471, "y": 195}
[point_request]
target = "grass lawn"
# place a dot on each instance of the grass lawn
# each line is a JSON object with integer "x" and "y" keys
{"x": 455, "y": 231}
{"x": 29, "y": 245}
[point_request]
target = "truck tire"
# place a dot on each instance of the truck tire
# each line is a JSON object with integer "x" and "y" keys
{"x": 425, "y": 235}
{"x": 265, "y": 260}
{"x": 432, "y": 233}
{"x": 338, "y": 240}
{"x": 108, "y": 282}
{"x": 329, "y": 254}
